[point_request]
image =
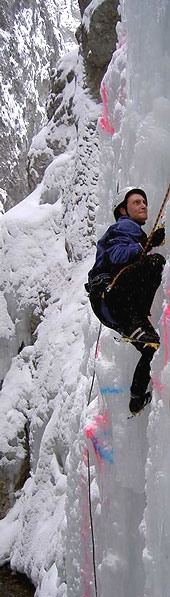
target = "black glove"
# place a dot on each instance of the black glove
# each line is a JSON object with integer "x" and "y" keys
{"x": 157, "y": 238}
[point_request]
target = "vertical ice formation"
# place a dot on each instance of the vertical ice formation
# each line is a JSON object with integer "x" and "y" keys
{"x": 131, "y": 520}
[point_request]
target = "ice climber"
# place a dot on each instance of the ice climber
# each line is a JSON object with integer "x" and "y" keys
{"x": 126, "y": 307}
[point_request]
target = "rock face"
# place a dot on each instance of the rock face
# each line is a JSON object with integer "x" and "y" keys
{"x": 68, "y": 145}
{"x": 73, "y": 108}
{"x": 59, "y": 133}
{"x": 14, "y": 462}
{"x": 83, "y": 4}
{"x": 97, "y": 36}
{"x": 32, "y": 37}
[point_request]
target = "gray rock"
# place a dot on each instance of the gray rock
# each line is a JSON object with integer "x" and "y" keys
{"x": 61, "y": 126}
{"x": 98, "y": 40}
{"x": 14, "y": 468}
{"x": 83, "y": 4}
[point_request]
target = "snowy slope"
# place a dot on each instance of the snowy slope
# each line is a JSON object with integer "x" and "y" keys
{"x": 49, "y": 336}
{"x": 42, "y": 348}
{"x": 38, "y": 282}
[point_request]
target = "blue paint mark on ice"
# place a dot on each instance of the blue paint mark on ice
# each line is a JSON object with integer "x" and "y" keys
{"x": 105, "y": 452}
{"x": 112, "y": 390}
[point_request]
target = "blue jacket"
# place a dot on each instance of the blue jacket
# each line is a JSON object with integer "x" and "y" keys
{"x": 119, "y": 246}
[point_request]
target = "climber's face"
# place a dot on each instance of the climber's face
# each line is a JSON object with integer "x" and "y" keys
{"x": 136, "y": 208}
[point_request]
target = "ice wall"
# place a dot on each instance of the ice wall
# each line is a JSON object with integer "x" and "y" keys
{"x": 130, "y": 495}
{"x": 45, "y": 390}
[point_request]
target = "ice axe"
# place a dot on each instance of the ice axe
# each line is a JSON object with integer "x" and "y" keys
{"x": 157, "y": 220}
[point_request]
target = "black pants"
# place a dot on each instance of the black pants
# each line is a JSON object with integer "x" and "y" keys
{"x": 126, "y": 308}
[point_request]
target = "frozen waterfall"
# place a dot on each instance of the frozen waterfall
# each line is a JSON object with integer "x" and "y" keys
{"x": 48, "y": 364}
{"x": 130, "y": 495}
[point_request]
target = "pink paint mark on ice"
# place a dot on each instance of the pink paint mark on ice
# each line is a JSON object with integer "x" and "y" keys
{"x": 85, "y": 456}
{"x": 122, "y": 94}
{"x": 122, "y": 40}
{"x": 158, "y": 385}
{"x": 165, "y": 327}
{"x": 98, "y": 350}
{"x": 100, "y": 434}
{"x": 104, "y": 120}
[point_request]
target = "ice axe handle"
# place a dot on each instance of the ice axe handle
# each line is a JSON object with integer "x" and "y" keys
{"x": 156, "y": 221}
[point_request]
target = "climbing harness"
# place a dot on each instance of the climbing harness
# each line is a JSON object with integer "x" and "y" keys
{"x": 133, "y": 340}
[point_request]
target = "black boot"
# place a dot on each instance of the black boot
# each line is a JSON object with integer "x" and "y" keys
{"x": 137, "y": 403}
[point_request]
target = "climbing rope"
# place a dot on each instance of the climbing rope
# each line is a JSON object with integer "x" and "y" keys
{"x": 88, "y": 469}
{"x": 94, "y": 369}
{"x": 91, "y": 524}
